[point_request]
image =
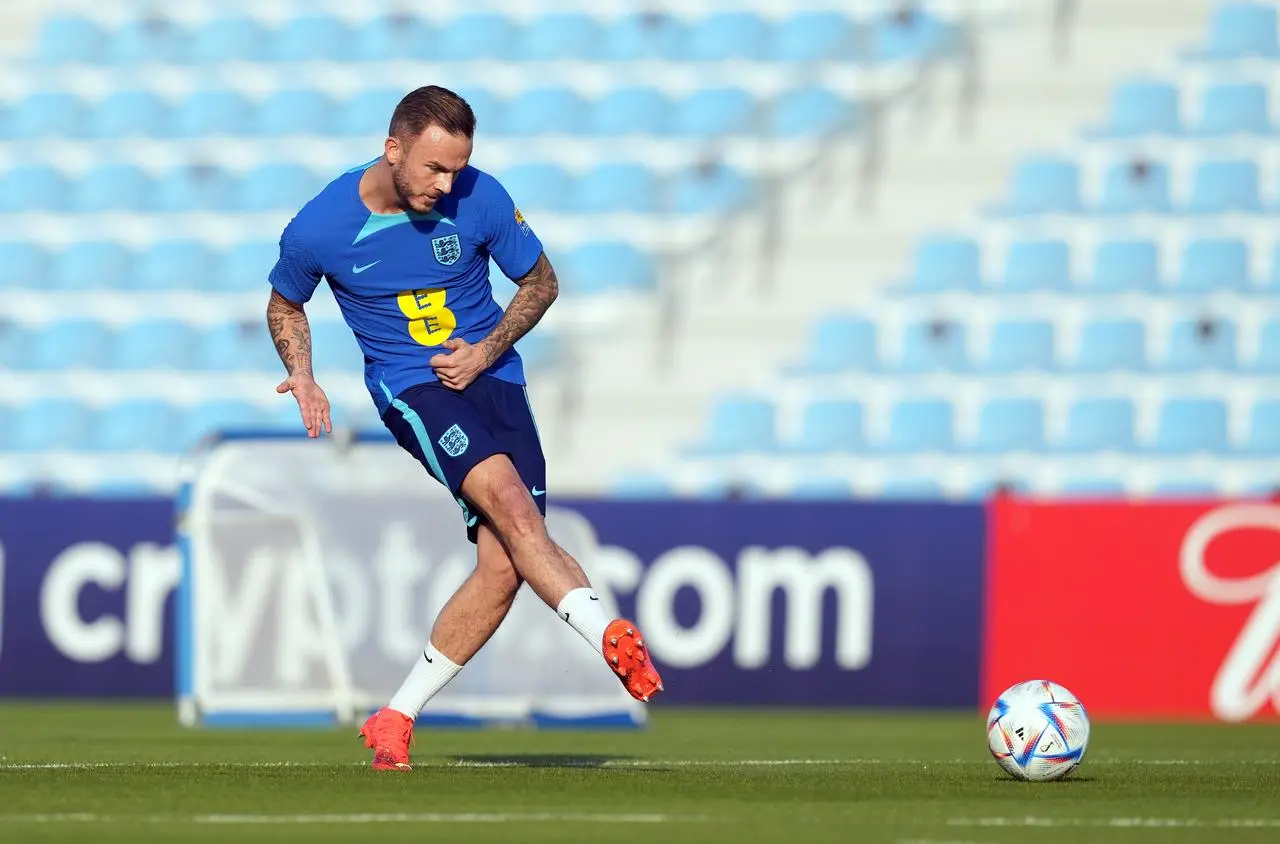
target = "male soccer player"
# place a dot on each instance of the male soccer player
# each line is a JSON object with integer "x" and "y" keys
{"x": 405, "y": 243}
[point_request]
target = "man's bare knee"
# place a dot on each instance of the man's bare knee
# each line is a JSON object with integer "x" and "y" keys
{"x": 514, "y": 515}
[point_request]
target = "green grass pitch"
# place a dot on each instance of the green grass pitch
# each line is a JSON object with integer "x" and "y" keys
{"x": 129, "y": 773}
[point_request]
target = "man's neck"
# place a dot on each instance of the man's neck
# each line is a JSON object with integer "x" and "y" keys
{"x": 378, "y": 191}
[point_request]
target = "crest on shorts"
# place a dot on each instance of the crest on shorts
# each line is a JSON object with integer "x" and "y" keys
{"x": 448, "y": 249}
{"x": 455, "y": 441}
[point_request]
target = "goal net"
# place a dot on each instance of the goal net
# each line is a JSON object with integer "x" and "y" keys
{"x": 312, "y": 571}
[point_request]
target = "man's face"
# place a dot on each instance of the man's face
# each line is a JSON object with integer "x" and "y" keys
{"x": 424, "y": 170}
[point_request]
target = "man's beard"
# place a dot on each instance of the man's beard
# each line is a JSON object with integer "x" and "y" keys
{"x": 403, "y": 190}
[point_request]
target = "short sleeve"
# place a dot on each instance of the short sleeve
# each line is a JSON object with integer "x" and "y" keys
{"x": 297, "y": 273}
{"x": 509, "y": 239}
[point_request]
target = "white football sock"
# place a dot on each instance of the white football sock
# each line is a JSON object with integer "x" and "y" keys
{"x": 431, "y": 673}
{"x": 581, "y": 607}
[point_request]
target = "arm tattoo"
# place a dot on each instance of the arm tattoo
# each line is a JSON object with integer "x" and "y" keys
{"x": 538, "y": 289}
{"x": 291, "y": 334}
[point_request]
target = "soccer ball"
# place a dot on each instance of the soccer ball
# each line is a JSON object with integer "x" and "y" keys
{"x": 1038, "y": 731}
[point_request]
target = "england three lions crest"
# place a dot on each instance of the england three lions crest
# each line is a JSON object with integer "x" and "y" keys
{"x": 448, "y": 249}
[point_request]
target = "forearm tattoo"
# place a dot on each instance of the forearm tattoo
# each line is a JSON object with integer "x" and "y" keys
{"x": 291, "y": 334}
{"x": 538, "y": 289}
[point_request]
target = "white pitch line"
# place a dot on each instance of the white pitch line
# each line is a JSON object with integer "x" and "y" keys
{"x": 590, "y": 763}
{"x": 1122, "y": 823}
{"x": 361, "y": 818}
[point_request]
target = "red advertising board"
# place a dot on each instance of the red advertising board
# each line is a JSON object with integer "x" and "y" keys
{"x": 1142, "y": 610}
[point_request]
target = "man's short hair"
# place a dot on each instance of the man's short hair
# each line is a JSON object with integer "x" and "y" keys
{"x": 432, "y": 105}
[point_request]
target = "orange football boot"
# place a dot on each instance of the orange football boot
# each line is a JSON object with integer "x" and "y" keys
{"x": 626, "y": 654}
{"x": 388, "y": 733}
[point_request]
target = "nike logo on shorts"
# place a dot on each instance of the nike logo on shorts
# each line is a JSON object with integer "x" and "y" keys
{"x": 536, "y": 492}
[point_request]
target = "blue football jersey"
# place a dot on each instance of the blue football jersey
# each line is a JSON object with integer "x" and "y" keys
{"x": 407, "y": 282}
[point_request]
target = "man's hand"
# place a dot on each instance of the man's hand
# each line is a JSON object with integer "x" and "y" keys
{"x": 463, "y": 364}
{"x": 312, "y": 402}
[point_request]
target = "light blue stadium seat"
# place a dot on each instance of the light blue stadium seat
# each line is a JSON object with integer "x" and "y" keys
{"x": 194, "y": 188}
{"x": 713, "y": 188}
{"x": 813, "y": 112}
{"x": 15, "y": 344}
{"x": 1085, "y": 488}
{"x": 1230, "y": 108}
{"x": 50, "y": 424}
{"x": 543, "y": 111}
{"x": 180, "y": 264}
{"x": 128, "y": 114}
{"x": 1006, "y": 425}
{"x": 738, "y": 424}
{"x": 538, "y": 186}
{"x": 25, "y": 265}
{"x": 271, "y": 187}
{"x": 1124, "y": 266}
{"x": 1237, "y": 30}
{"x": 1211, "y": 265}
{"x": 830, "y": 425}
{"x": 390, "y": 37}
{"x": 909, "y": 37}
{"x": 1020, "y": 345}
{"x": 944, "y": 262}
{"x": 234, "y": 347}
{"x": 228, "y": 39}
{"x": 1266, "y": 358}
{"x": 618, "y": 187}
{"x": 841, "y": 343}
{"x": 1219, "y": 186}
{"x": 33, "y": 187}
{"x": 809, "y": 36}
{"x": 558, "y": 36}
{"x": 144, "y": 39}
{"x": 629, "y": 111}
{"x": 69, "y": 39}
{"x": 152, "y": 344}
{"x": 910, "y": 489}
{"x": 90, "y": 264}
{"x": 334, "y": 349}
{"x": 724, "y": 36}
{"x": 919, "y": 425}
{"x": 1098, "y": 424}
{"x": 368, "y": 113}
{"x": 641, "y": 486}
{"x": 309, "y": 38}
{"x": 245, "y": 265}
{"x": 1191, "y": 425}
{"x": 1142, "y": 107}
{"x": 136, "y": 425}
{"x": 210, "y": 113}
{"x": 205, "y": 418}
{"x": 1130, "y": 190}
{"x": 1263, "y": 437}
{"x": 645, "y": 35}
{"x": 68, "y": 344}
{"x": 1043, "y": 184}
{"x": 1108, "y": 344}
{"x": 1196, "y": 345}
{"x": 821, "y": 489}
{"x": 712, "y": 112}
{"x": 1035, "y": 265}
{"x": 296, "y": 111}
{"x": 112, "y": 187}
{"x": 1186, "y": 488}
{"x": 932, "y": 346}
{"x": 47, "y": 114}
{"x": 603, "y": 266}
{"x": 474, "y": 35}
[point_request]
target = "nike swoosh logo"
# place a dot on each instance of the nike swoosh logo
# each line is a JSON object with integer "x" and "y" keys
{"x": 427, "y": 658}
{"x": 358, "y": 270}
{"x": 593, "y": 597}
{"x": 536, "y": 492}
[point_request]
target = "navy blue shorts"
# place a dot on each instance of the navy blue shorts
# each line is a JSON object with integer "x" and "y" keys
{"x": 450, "y": 431}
